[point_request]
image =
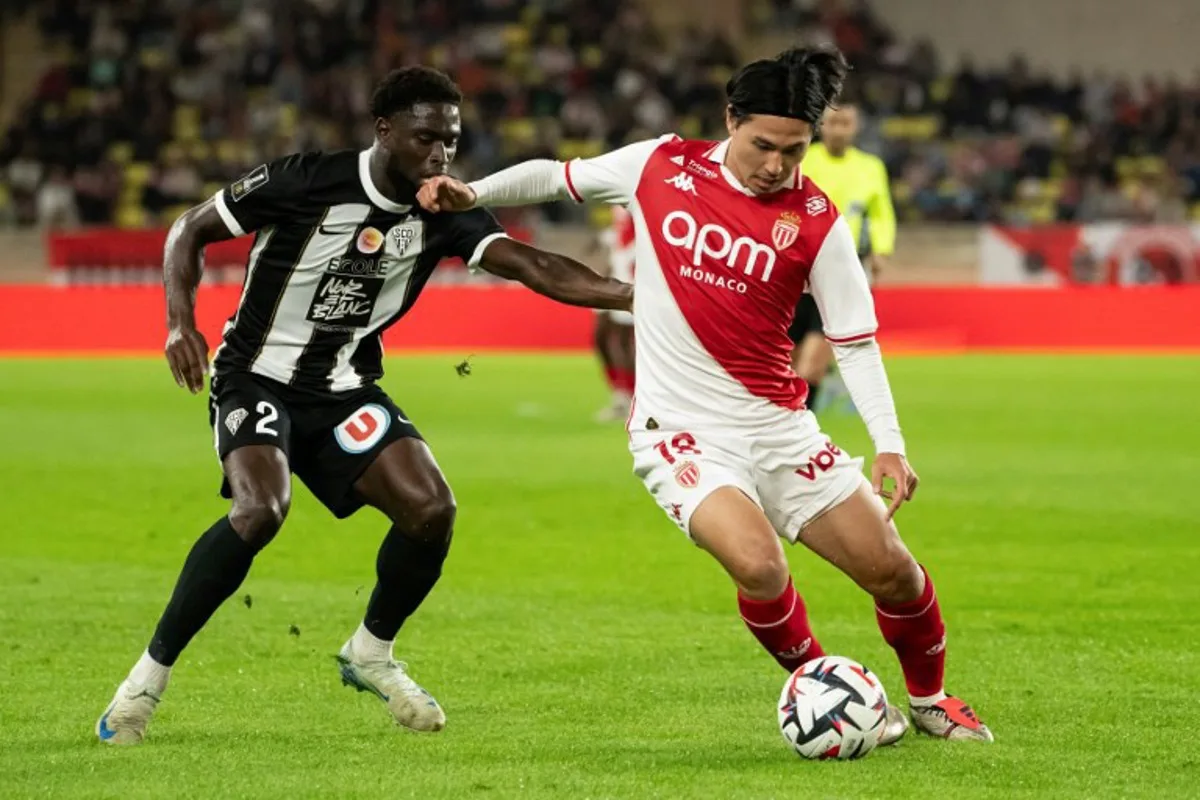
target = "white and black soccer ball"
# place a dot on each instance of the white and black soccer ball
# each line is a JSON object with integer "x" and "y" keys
{"x": 832, "y": 707}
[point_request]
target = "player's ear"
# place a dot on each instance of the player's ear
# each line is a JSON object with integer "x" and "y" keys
{"x": 383, "y": 128}
{"x": 730, "y": 120}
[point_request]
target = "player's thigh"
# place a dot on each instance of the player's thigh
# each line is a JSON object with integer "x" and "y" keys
{"x": 735, "y": 531}
{"x": 855, "y": 536}
{"x": 252, "y": 431}
{"x": 800, "y": 473}
{"x": 406, "y": 483}
{"x": 338, "y": 440}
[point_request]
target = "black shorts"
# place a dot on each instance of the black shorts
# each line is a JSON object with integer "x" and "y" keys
{"x": 328, "y": 439}
{"x": 807, "y": 319}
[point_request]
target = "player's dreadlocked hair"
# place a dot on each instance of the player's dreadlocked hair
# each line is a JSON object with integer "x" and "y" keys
{"x": 798, "y": 83}
{"x": 404, "y": 88}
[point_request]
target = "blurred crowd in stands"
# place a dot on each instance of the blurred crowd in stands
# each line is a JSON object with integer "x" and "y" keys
{"x": 152, "y": 105}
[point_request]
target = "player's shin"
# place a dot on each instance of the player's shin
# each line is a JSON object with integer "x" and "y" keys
{"x": 916, "y": 632}
{"x": 407, "y": 569}
{"x": 214, "y": 569}
{"x": 781, "y": 626}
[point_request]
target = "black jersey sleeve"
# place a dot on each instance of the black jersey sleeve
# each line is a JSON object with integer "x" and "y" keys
{"x": 469, "y": 234}
{"x": 268, "y": 194}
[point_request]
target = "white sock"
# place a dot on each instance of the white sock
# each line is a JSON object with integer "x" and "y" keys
{"x": 925, "y": 702}
{"x": 368, "y": 647}
{"x": 149, "y": 673}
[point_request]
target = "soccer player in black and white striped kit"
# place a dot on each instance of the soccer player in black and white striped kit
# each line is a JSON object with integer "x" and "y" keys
{"x": 341, "y": 252}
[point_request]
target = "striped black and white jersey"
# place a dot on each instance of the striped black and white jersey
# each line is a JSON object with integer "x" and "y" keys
{"x": 334, "y": 263}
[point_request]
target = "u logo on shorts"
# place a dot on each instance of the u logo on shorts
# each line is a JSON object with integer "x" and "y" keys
{"x": 363, "y": 429}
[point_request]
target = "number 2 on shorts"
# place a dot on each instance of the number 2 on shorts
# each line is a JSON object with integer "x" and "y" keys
{"x": 684, "y": 444}
{"x": 267, "y": 414}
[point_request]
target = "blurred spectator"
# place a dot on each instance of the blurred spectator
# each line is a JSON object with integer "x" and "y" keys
{"x": 161, "y": 101}
{"x": 1012, "y": 144}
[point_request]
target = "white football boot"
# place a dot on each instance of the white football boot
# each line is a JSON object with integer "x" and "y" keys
{"x": 411, "y": 706}
{"x": 126, "y": 718}
{"x": 950, "y": 718}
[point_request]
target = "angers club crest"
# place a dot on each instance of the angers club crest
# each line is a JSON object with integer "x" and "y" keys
{"x": 405, "y": 235}
{"x": 786, "y": 230}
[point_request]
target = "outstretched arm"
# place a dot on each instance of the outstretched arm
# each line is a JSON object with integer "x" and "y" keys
{"x": 557, "y": 277}
{"x": 610, "y": 178}
{"x": 186, "y": 349}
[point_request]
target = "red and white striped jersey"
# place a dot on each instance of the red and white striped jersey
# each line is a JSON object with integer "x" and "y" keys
{"x": 719, "y": 273}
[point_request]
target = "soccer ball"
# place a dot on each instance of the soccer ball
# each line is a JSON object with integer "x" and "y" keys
{"x": 832, "y": 707}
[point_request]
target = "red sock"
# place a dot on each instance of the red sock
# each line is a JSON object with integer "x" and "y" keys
{"x": 916, "y": 632}
{"x": 781, "y": 626}
{"x": 610, "y": 375}
{"x": 624, "y": 380}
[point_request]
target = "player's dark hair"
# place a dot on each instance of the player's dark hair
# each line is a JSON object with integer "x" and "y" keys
{"x": 404, "y": 88}
{"x": 800, "y": 83}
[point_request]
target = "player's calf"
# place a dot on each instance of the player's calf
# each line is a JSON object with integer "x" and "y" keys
{"x": 781, "y": 627}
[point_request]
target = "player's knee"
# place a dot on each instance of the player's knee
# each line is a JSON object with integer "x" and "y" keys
{"x": 898, "y": 581}
{"x": 431, "y": 519}
{"x": 258, "y": 519}
{"x": 762, "y": 576}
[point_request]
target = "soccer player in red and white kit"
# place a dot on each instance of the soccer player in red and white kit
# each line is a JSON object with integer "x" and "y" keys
{"x": 728, "y": 236}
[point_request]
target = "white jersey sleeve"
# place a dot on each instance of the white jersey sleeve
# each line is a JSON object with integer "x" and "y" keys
{"x": 839, "y": 285}
{"x": 613, "y": 177}
{"x": 610, "y": 178}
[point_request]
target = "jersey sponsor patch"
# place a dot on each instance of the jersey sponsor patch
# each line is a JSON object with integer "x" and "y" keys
{"x": 370, "y": 240}
{"x": 344, "y": 299}
{"x": 363, "y": 429}
{"x": 256, "y": 179}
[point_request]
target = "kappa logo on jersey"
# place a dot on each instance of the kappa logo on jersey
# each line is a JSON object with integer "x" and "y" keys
{"x": 234, "y": 420}
{"x": 404, "y": 235}
{"x": 683, "y": 182}
{"x": 256, "y": 179}
{"x": 688, "y": 475}
{"x": 816, "y": 205}
{"x": 363, "y": 429}
{"x": 786, "y": 229}
{"x": 370, "y": 240}
{"x": 714, "y": 241}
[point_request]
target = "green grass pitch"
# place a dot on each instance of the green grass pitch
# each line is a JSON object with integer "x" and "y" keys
{"x": 581, "y": 647}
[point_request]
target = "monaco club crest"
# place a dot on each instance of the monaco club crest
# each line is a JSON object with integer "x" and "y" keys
{"x": 786, "y": 229}
{"x": 688, "y": 475}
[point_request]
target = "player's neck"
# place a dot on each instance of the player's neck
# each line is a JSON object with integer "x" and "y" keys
{"x": 395, "y": 188}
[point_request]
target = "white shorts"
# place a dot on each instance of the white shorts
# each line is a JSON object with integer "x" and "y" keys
{"x": 792, "y": 471}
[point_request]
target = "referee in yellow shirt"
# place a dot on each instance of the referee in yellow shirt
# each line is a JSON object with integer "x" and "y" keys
{"x": 857, "y": 183}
